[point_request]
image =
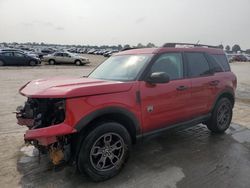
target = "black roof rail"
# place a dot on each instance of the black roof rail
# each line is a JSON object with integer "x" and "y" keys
{"x": 129, "y": 48}
{"x": 173, "y": 45}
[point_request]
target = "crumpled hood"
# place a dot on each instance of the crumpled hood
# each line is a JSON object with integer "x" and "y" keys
{"x": 67, "y": 87}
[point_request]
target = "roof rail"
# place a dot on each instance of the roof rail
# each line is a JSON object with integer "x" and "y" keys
{"x": 129, "y": 48}
{"x": 174, "y": 45}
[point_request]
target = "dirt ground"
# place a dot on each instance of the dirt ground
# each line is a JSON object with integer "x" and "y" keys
{"x": 15, "y": 171}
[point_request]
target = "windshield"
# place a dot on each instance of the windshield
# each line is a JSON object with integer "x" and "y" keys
{"x": 121, "y": 68}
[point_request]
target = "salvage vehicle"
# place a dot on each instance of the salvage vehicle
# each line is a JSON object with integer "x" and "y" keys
{"x": 94, "y": 120}
{"x": 65, "y": 57}
{"x": 15, "y": 57}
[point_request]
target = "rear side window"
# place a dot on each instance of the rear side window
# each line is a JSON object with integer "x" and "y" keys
{"x": 197, "y": 64}
{"x": 214, "y": 65}
{"x": 222, "y": 61}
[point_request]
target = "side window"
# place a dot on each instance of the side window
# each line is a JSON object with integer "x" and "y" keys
{"x": 215, "y": 66}
{"x": 170, "y": 63}
{"x": 222, "y": 61}
{"x": 8, "y": 54}
{"x": 17, "y": 54}
{"x": 197, "y": 64}
{"x": 58, "y": 54}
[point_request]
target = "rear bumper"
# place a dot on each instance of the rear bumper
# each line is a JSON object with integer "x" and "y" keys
{"x": 48, "y": 135}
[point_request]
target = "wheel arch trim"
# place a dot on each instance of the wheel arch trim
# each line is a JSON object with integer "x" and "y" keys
{"x": 225, "y": 92}
{"x": 84, "y": 121}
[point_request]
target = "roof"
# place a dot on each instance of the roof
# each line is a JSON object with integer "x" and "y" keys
{"x": 171, "y": 49}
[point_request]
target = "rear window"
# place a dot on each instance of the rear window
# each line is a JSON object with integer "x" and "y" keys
{"x": 222, "y": 61}
{"x": 197, "y": 64}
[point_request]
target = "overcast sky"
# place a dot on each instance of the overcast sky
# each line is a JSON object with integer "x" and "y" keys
{"x": 98, "y": 22}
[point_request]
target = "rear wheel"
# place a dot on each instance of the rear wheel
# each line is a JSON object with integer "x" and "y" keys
{"x": 221, "y": 116}
{"x": 52, "y": 62}
{"x": 104, "y": 151}
{"x": 32, "y": 63}
{"x": 1, "y": 63}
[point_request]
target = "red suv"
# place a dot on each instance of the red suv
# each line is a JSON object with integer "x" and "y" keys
{"x": 94, "y": 120}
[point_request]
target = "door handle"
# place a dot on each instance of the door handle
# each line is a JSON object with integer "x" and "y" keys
{"x": 181, "y": 88}
{"x": 214, "y": 83}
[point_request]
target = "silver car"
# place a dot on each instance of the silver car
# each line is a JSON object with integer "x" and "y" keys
{"x": 65, "y": 57}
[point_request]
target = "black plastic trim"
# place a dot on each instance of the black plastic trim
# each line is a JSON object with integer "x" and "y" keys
{"x": 177, "y": 126}
{"x": 226, "y": 91}
{"x": 105, "y": 111}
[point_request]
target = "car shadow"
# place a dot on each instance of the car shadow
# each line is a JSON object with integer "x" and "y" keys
{"x": 186, "y": 158}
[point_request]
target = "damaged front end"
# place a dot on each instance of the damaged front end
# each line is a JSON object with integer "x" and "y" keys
{"x": 39, "y": 113}
{"x": 47, "y": 127}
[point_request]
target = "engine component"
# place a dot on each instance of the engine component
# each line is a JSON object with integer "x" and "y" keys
{"x": 38, "y": 113}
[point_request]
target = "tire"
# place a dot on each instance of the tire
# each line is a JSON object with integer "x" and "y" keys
{"x": 52, "y": 62}
{"x": 1, "y": 63}
{"x": 221, "y": 116}
{"x": 32, "y": 63}
{"x": 78, "y": 62}
{"x": 99, "y": 159}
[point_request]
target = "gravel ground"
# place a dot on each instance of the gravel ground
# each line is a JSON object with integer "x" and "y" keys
{"x": 16, "y": 172}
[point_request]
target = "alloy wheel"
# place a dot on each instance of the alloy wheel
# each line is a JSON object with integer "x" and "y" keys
{"x": 223, "y": 115}
{"x": 107, "y": 152}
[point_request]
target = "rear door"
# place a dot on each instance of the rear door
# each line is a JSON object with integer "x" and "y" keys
{"x": 220, "y": 67}
{"x": 201, "y": 79}
{"x": 8, "y": 58}
{"x": 166, "y": 103}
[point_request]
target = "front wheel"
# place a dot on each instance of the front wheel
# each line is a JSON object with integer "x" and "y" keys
{"x": 1, "y": 63}
{"x": 221, "y": 116}
{"x": 104, "y": 151}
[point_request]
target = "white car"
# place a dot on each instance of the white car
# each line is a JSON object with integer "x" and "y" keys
{"x": 248, "y": 57}
{"x": 65, "y": 57}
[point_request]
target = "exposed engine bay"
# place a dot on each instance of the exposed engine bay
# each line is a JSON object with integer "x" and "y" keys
{"x": 39, "y": 113}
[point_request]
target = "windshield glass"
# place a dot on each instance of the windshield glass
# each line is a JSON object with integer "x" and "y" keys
{"x": 121, "y": 68}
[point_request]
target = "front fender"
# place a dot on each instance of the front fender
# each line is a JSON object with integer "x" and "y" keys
{"x": 84, "y": 121}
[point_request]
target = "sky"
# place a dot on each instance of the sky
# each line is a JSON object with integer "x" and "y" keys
{"x": 113, "y": 22}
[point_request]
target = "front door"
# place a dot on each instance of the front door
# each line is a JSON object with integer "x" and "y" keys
{"x": 166, "y": 103}
{"x": 67, "y": 58}
{"x": 20, "y": 59}
{"x": 59, "y": 57}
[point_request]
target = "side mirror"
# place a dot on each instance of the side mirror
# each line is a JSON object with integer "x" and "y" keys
{"x": 158, "y": 78}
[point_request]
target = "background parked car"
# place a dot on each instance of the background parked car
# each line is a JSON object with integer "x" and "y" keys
{"x": 29, "y": 53}
{"x": 240, "y": 58}
{"x": 248, "y": 57}
{"x": 17, "y": 58}
{"x": 109, "y": 53}
{"x": 65, "y": 57}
